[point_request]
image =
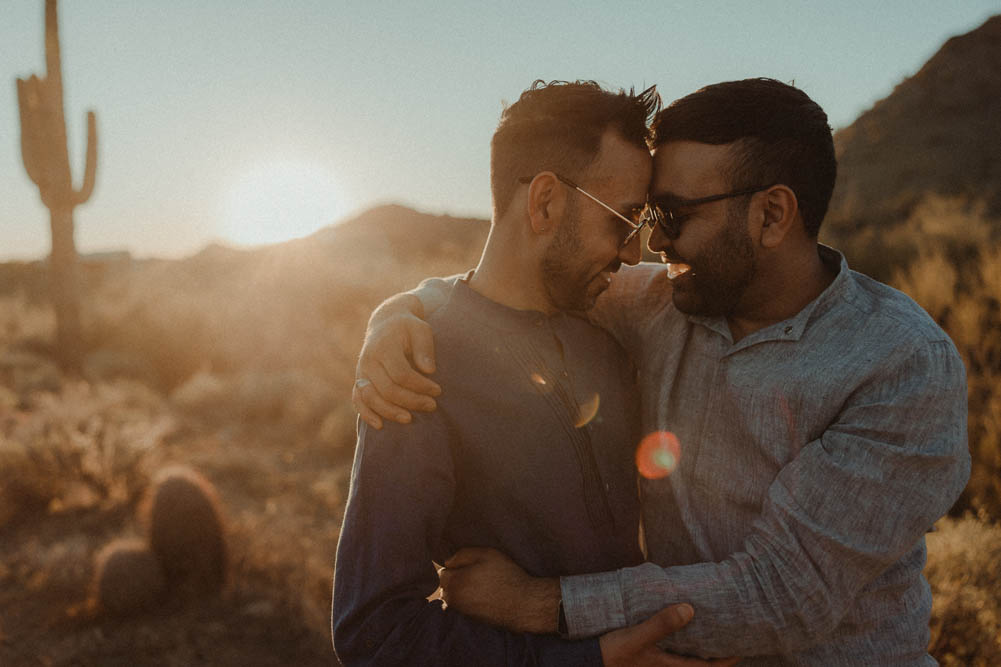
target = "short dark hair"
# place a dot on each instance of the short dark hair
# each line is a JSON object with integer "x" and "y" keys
{"x": 779, "y": 134}
{"x": 558, "y": 126}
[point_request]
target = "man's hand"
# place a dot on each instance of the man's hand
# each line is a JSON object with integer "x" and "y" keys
{"x": 386, "y": 382}
{"x": 636, "y": 646}
{"x": 488, "y": 586}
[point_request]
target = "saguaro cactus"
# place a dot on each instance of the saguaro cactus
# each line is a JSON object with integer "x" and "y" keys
{"x": 46, "y": 159}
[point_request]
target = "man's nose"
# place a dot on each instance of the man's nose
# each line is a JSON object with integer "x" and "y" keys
{"x": 632, "y": 252}
{"x": 658, "y": 241}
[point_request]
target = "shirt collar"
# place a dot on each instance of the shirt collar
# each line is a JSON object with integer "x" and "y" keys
{"x": 497, "y": 315}
{"x": 842, "y": 288}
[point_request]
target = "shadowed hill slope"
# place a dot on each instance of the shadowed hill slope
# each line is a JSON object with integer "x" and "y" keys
{"x": 938, "y": 133}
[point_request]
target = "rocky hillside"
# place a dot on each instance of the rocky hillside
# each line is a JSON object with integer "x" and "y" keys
{"x": 938, "y": 133}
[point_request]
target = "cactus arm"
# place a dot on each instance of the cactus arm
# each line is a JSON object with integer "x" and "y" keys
{"x": 90, "y": 170}
{"x": 53, "y": 63}
{"x": 27, "y": 102}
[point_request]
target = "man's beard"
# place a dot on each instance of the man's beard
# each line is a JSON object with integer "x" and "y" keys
{"x": 721, "y": 273}
{"x": 565, "y": 283}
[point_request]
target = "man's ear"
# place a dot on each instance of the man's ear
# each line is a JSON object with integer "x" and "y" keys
{"x": 546, "y": 198}
{"x": 778, "y": 212}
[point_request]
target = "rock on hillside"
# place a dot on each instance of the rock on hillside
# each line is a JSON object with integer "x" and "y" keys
{"x": 938, "y": 132}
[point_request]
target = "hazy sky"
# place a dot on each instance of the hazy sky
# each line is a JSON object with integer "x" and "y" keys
{"x": 259, "y": 120}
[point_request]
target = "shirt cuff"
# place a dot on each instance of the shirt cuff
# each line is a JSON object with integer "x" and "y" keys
{"x": 592, "y": 604}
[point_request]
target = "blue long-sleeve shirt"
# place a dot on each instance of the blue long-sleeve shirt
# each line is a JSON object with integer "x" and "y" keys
{"x": 816, "y": 452}
{"x": 529, "y": 452}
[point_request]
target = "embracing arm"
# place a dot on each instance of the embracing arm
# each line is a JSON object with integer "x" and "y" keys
{"x": 398, "y": 350}
{"x": 399, "y": 347}
{"x": 850, "y": 505}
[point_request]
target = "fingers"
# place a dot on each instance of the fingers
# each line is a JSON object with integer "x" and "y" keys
{"x": 367, "y": 395}
{"x": 663, "y": 623}
{"x": 422, "y": 350}
{"x": 395, "y": 388}
{"x": 415, "y": 343}
{"x": 445, "y": 579}
{"x": 404, "y": 386}
{"x": 367, "y": 415}
{"x": 467, "y": 556}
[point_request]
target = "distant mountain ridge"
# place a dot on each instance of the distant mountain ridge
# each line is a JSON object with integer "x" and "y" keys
{"x": 939, "y": 132}
{"x": 403, "y": 231}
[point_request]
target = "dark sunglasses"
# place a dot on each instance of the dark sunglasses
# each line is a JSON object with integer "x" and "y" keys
{"x": 667, "y": 212}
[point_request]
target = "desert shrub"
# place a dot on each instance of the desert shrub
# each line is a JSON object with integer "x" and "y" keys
{"x": 295, "y": 399}
{"x": 22, "y": 318}
{"x": 24, "y": 372}
{"x": 161, "y": 330}
{"x": 952, "y": 226}
{"x": 954, "y": 272}
{"x": 82, "y": 446}
{"x": 963, "y": 557}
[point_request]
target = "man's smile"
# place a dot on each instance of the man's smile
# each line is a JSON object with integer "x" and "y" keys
{"x": 675, "y": 267}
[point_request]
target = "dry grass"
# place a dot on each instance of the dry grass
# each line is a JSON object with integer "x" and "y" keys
{"x": 957, "y": 279}
{"x": 83, "y": 446}
{"x": 963, "y": 557}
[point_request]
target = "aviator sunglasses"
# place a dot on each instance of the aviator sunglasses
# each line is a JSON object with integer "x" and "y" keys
{"x": 634, "y": 225}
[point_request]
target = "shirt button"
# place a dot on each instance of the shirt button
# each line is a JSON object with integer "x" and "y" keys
{"x": 788, "y": 330}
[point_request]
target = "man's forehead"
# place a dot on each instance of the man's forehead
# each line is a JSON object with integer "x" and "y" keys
{"x": 685, "y": 168}
{"x": 620, "y": 163}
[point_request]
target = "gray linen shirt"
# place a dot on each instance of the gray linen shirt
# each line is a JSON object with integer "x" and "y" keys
{"x": 815, "y": 455}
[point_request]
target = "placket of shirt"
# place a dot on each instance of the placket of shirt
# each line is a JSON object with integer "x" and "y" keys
{"x": 564, "y": 404}
{"x": 716, "y": 426}
{"x": 699, "y": 395}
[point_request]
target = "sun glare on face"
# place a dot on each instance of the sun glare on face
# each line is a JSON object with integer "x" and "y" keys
{"x": 269, "y": 202}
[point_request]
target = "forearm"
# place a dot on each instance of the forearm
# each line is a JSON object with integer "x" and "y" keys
{"x": 741, "y": 609}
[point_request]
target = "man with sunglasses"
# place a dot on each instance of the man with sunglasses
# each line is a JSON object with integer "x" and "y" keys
{"x": 530, "y": 451}
{"x": 821, "y": 415}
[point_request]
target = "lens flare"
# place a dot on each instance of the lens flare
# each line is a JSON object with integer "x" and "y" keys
{"x": 658, "y": 454}
{"x": 588, "y": 411}
{"x": 538, "y": 379}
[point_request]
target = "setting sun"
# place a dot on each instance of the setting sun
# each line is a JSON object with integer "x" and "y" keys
{"x": 269, "y": 202}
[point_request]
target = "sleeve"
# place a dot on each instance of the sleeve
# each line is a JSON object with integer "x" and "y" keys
{"x": 851, "y": 504}
{"x": 401, "y": 493}
{"x": 433, "y": 292}
{"x": 635, "y": 295}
